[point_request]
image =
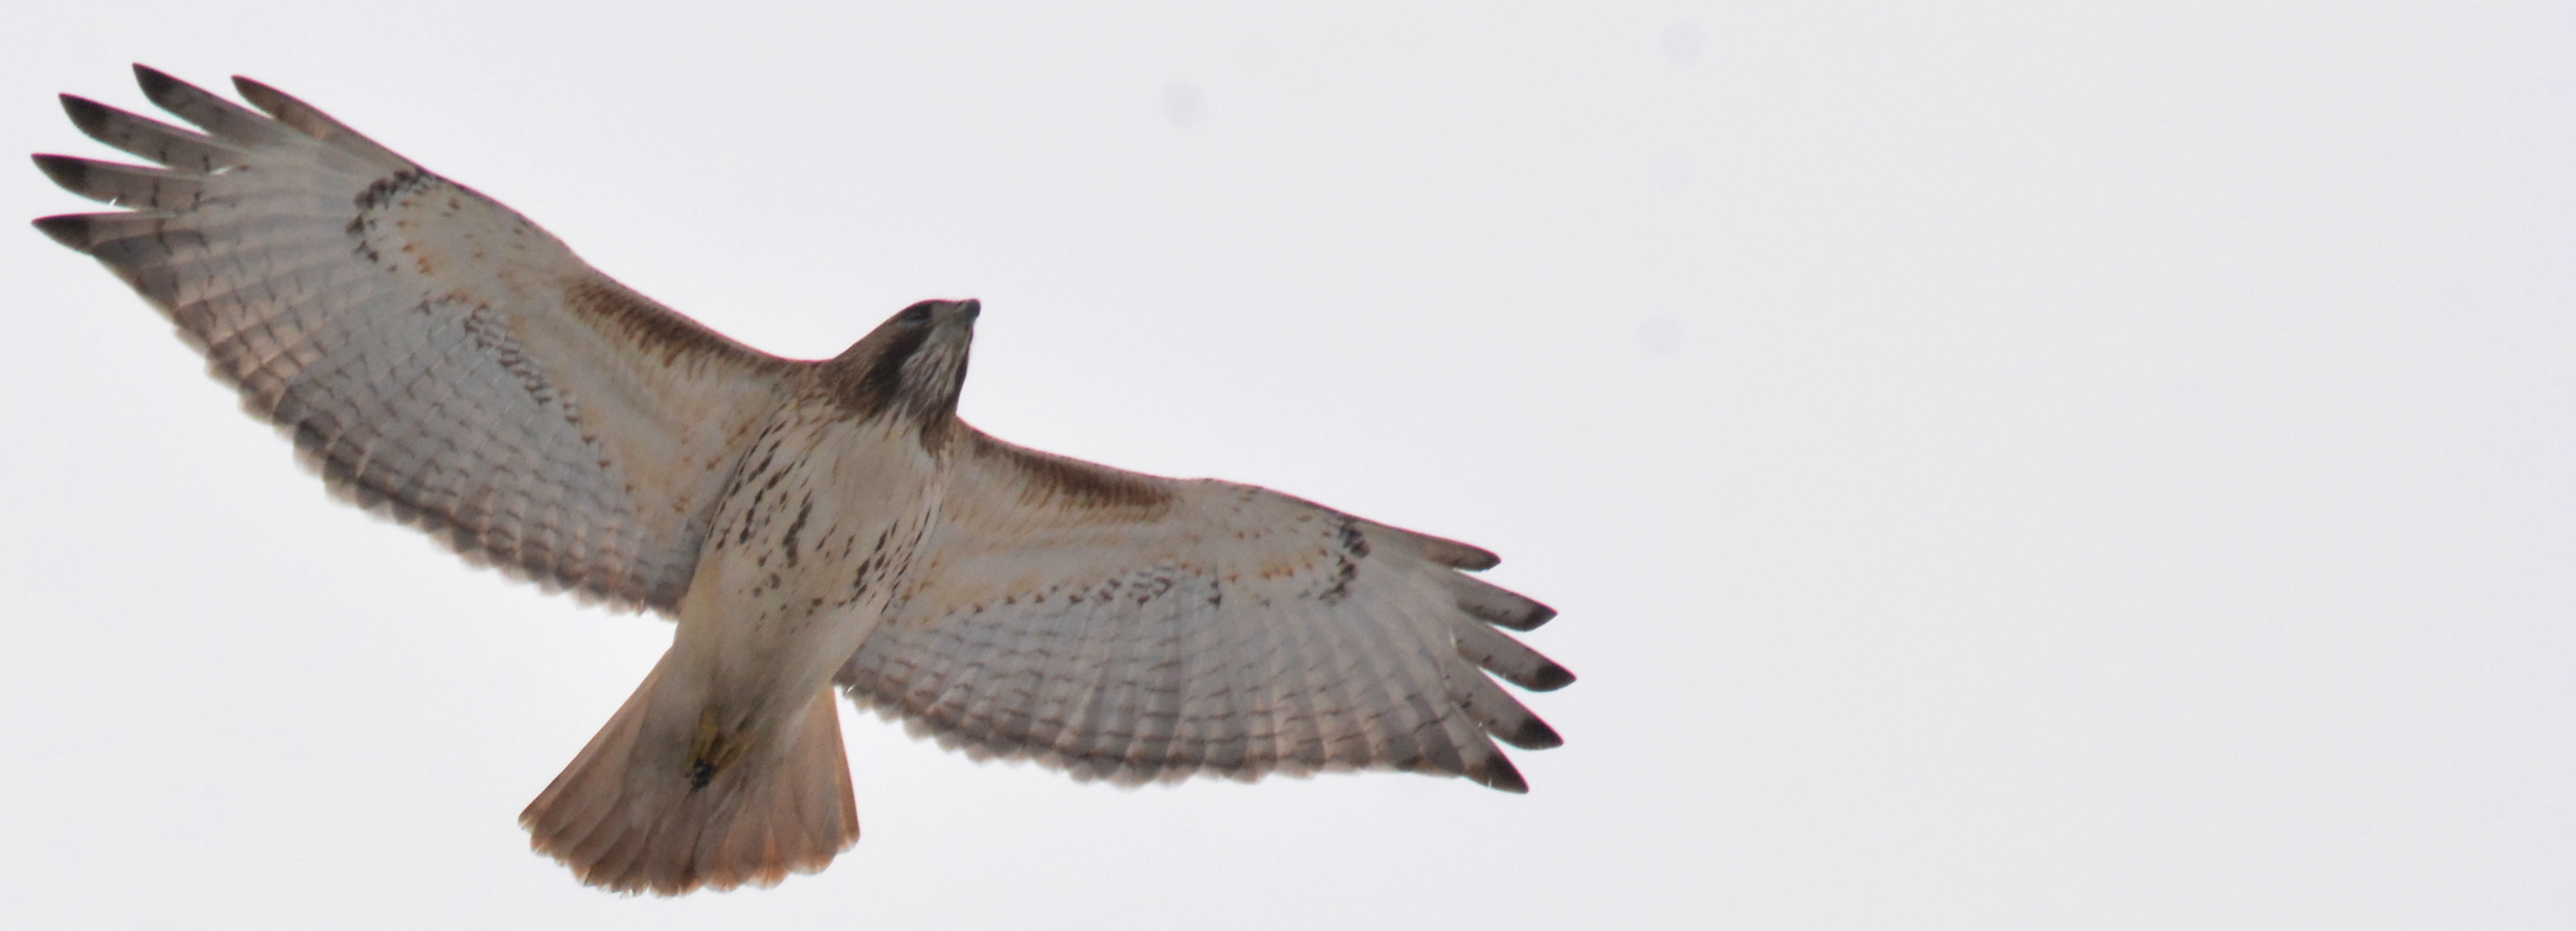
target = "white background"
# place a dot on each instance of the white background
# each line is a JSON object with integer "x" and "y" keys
{"x": 2000, "y": 466}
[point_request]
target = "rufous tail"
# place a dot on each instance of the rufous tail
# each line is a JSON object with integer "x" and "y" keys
{"x": 638, "y": 811}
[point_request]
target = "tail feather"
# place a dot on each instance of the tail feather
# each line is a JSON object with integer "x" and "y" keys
{"x": 628, "y": 815}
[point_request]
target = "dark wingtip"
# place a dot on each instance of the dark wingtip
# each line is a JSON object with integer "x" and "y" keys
{"x": 1534, "y": 734}
{"x": 1550, "y": 678}
{"x": 70, "y": 229}
{"x": 155, "y": 84}
{"x": 1475, "y": 559}
{"x": 87, "y": 114}
{"x": 65, "y": 170}
{"x": 1540, "y": 614}
{"x": 1498, "y": 773}
{"x": 260, "y": 95}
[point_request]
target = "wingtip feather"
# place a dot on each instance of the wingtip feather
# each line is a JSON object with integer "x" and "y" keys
{"x": 1549, "y": 678}
{"x": 1472, "y": 559}
{"x": 1442, "y": 550}
{"x": 1497, "y": 772}
{"x": 88, "y": 115}
{"x": 1534, "y": 734}
{"x": 156, "y": 84}
{"x": 70, "y": 229}
{"x": 1457, "y": 555}
{"x": 71, "y": 173}
{"x": 268, "y": 99}
{"x": 1499, "y": 606}
{"x": 311, "y": 121}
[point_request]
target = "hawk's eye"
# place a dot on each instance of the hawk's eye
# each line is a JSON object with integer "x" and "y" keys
{"x": 917, "y": 313}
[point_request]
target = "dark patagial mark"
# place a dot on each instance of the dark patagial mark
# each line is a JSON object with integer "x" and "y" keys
{"x": 1072, "y": 483}
{"x": 616, "y": 310}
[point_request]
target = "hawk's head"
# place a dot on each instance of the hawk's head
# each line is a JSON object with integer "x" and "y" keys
{"x": 910, "y": 367}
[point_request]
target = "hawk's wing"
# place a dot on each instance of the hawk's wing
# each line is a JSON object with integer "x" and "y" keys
{"x": 438, "y": 357}
{"x": 1134, "y": 628}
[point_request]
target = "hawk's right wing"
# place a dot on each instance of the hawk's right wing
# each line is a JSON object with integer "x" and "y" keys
{"x": 1135, "y": 628}
{"x": 438, "y": 357}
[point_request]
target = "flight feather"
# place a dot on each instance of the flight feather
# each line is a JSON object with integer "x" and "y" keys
{"x": 435, "y": 355}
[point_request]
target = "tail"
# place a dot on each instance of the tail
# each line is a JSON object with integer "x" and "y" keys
{"x": 634, "y": 813}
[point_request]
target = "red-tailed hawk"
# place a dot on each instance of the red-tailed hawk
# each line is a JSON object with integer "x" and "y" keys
{"x": 446, "y": 363}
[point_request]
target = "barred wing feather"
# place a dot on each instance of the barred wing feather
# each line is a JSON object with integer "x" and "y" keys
{"x": 436, "y": 356}
{"x": 1134, "y": 628}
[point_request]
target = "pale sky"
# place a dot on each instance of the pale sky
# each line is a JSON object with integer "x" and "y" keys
{"x": 1999, "y": 465}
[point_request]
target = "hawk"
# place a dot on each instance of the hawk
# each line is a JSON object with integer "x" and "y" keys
{"x": 444, "y": 362}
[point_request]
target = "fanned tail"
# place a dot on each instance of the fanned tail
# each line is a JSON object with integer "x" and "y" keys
{"x": 637, "y": 814}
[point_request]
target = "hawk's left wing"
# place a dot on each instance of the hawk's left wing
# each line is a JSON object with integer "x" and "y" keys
{"x": 1136, "y": 628}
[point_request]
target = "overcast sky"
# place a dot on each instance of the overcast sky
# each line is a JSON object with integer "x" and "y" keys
{"x": 2000, "y": 465}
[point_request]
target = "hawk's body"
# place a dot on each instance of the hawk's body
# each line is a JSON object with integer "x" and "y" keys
{"x": 445, "y": 362}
